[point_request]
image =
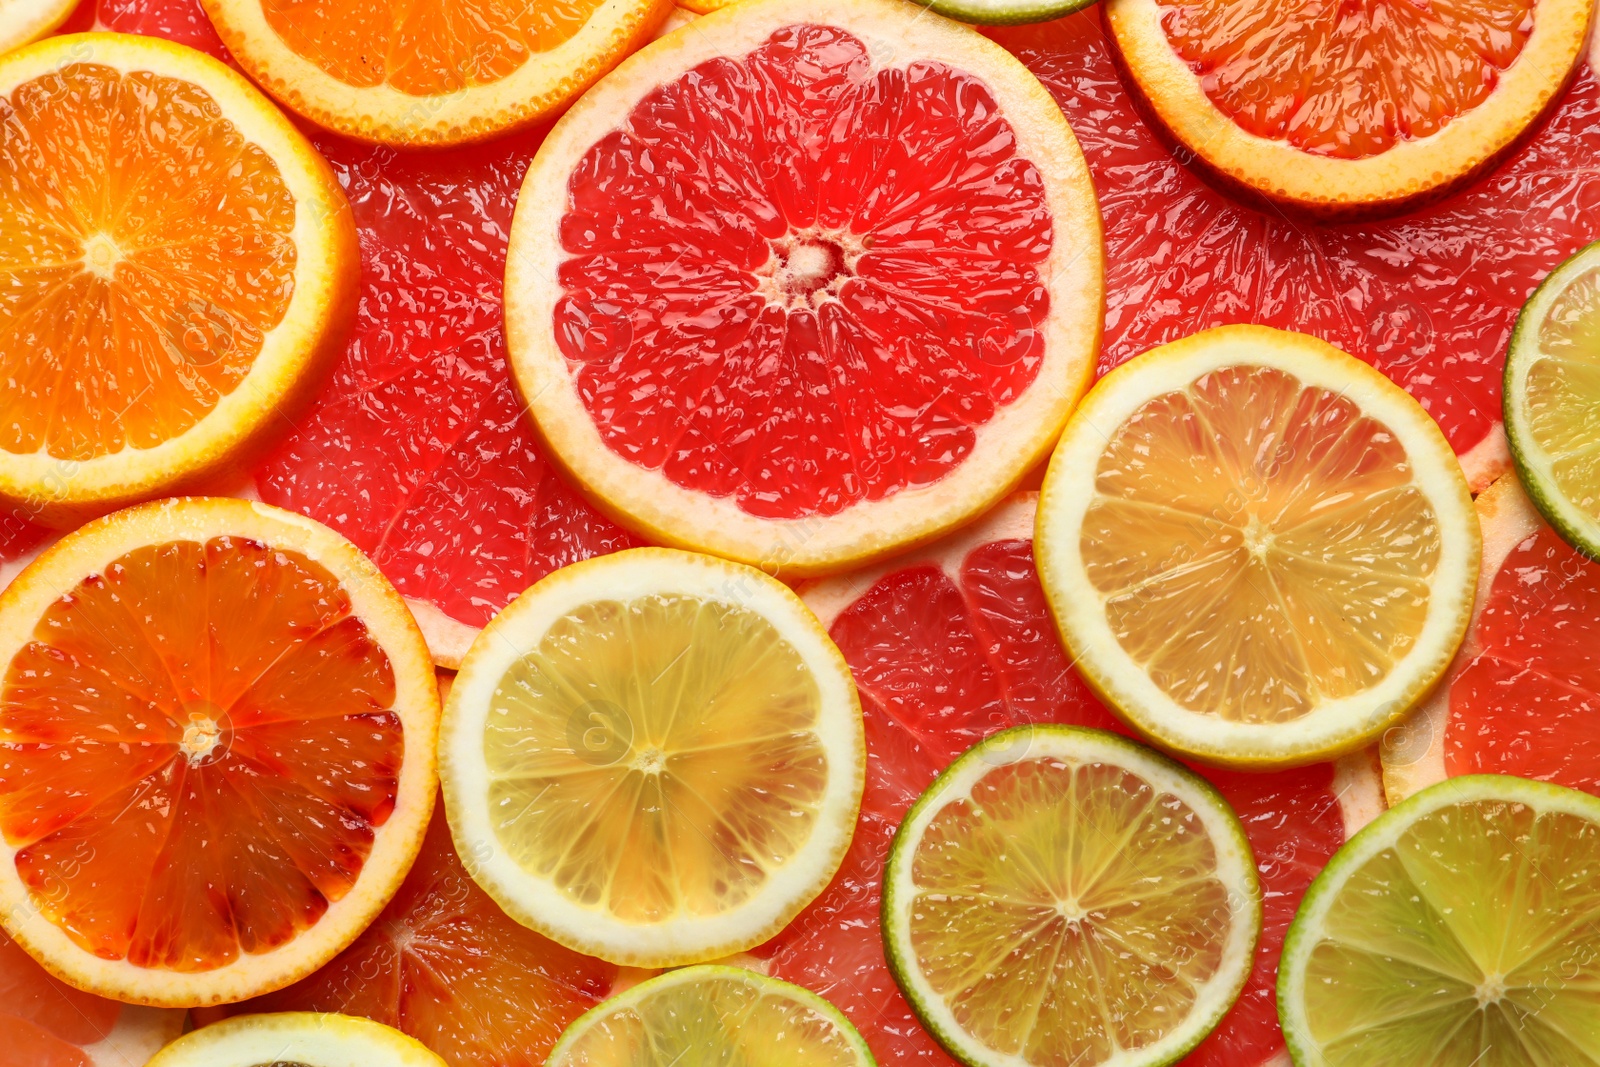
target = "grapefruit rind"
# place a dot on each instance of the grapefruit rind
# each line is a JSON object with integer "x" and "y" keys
{"x": 1381, "y": 835}
{"x": 382, "y": 114}
{"x": 1236, "y": 868}
{"x": 139, "y": 1033}
{"x": 895, "y": 32}
{"x": 294, "y": 355}
{"x": 25, "y": 21}
{"x": 539, "y": 905}
{"x": 303, "y": 1039}
{"x": 1004, "y": 12}
{"x": 1334, "y": 727}
{"x": 625, "y": 1004}
{"x": 88, "y": 551}
{"x": 1580, "y": 529}
{"x": 1409, "y": 172}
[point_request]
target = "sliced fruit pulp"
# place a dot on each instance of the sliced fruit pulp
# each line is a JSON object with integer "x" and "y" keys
{"x": 1561, "y": 390}
{"x": 444, "y": 964}
{"x": 1345, "y": 79}
{"x": 144, "y": 254}
{"x": 1277, "y": 519}
{"x": 640, "y": 781}
{"x": 226, "y": 784}
{"x": 803, "y": 344}
{"x": 1497, "y": 904}
{"x": 1529, "y": 702}
{"x": 424, "y": 49}
{"x": 44, "y": 1022}
{"x": 943, "y": 663}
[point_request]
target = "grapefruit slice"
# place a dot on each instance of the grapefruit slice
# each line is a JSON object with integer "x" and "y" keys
{"x": 654, "y": 757}
{"x": 950, "y": 644}
{"x": 179, "y": 266}
{"x": 217, "y": 725}
{"x": 811, "y": 371}
{"x": 24, "y": 21}
{"x": 431, "y": 73}
{"x": 1339, "y": 109}
{"x": 298, "y": 1040}
{"x": 1260, "y": 551}
{"x": 1523, "y": 695}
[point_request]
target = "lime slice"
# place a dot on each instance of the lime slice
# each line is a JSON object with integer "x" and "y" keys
{"x": 1005, "y": 12}
{"x": 295, "y": 1039}
{"x": 1459, "y": 929}
{"x": 1062, "y": 895}
{"x": 653, "y": 757}
{"x": 1551, "y": 395}
{"x": 712, "y": 1015}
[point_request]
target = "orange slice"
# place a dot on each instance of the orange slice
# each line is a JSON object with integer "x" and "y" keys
{"x": 22, "y": 21}
{"x": 434, "y": 72}
{"x": 1337, "y": 107}
{"x": 177, "y": 267}
{"x": 217, "y": 724}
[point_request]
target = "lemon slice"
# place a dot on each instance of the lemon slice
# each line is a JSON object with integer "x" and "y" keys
{"x": 653, "y": 757}
{"x": 296, "y": 1039}
{"x": 1458, "y": 929}
{"x": 1260, "y": 551}
{"x": 706, "y": 1015}
{"x": 1062, "y": 895}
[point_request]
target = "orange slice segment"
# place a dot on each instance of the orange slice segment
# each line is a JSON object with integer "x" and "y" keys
{"x": 433, "y": 72}
{"x": 216, "y": 751}
{"x": 1334, "y": 106}
{"x": 177, "y": 266}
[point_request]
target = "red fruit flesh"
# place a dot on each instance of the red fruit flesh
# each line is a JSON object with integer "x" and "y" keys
{"x": 43, "y": 1021}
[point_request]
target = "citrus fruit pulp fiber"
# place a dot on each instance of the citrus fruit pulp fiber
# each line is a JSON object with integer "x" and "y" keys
{"x": 431, "y": 73}
{"x": 179, "y": 268}
{"x": 953, "y": 643}
{"x": 1339, "y": 108}
{"x": 1062, "y": 896}
{"x": 655, "y": 757}
{"x": 46, "y": 1023}
{"x": 1461, "y": 927}
{"x": 713, "y": 1014}
{"x": 216, "y": 750}
{"x": 1524, "y": 692}
{"x": 773, "y": 338}
{"x": 296, "y": 1040}
{"x": 1259, "y": 550}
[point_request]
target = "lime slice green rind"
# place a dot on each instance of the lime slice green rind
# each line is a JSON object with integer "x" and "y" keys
{"x": 1458, "y": 929}
{"x": 1551, "y": 400}
{"x": 1171, "y": 1002}
{"x": 1004, "y": 13}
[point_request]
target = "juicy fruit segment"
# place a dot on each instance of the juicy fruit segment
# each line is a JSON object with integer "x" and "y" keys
{"x": 1280, "y": 523}
{"x": 146, "y": 253}
{"x": 223, "y": 679}
{"x": 713, "y": 1015}
{"x": 45, "y": 1022}
{"x": 803, "y": 345}
{"x": 1470, "y": 911}
{"x": 1347, "y": 80}
{"x": 444, "y": 964}
{"x": 425, "y": 49}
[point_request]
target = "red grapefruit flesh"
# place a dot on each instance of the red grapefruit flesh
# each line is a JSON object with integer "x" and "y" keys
{"x": 947, "y": 647}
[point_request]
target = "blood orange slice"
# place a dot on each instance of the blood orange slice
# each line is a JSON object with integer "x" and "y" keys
{"x": 806, "y": 284}
{"x": 217, "y": 724}
{"x": 1523, "y": 696}
{"x": 1336, "y": 107}
{"x": 951, "y": 644}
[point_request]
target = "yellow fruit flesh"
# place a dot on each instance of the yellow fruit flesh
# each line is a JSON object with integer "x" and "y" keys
{"x": 1562, "y": 392}
{"x": 656, "y": 758}
{"x": 1260, "y": 545}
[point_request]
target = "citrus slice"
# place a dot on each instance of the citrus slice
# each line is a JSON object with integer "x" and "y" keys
{"x": 1459, "y": 928}
{"x": 1552, "y": 388}
{"x": 1333, "y": 108}
{"x": 653, "y": 757}
{"x": 1523, "y": 696}
{"x": 438, "y": 72}
{"x": 713, "y": 1015}
{"x": 178, "y": 268}
{"x": 217, "y": 725}
{"x": 1064, "y": 895}
{"x": 24, "y": 21}
{"x": 46, "y": 1023}
{"x": 777, "y": 339}
{"x": 1259, "y": 550}
{"x": 300, "y": 1039}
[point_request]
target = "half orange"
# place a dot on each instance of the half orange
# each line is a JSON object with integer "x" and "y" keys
{"x": 177, "y": 267}
{"x": 217, "y": 724}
